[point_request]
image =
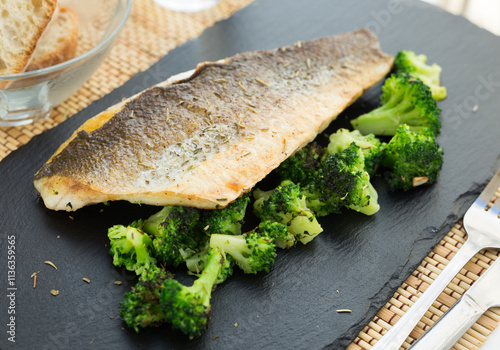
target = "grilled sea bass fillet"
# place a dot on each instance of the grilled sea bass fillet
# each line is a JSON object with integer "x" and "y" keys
{"x": 204, "y": 140}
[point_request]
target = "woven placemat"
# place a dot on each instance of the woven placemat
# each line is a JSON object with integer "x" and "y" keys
{"x": 149, "y": 34}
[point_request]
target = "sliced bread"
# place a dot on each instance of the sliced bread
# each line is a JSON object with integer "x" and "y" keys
{"x": 59, "y": 42}
{"x": 22, "y": 22}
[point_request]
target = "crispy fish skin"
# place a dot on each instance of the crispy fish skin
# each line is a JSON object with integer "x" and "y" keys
{"x": 204, "y": 140}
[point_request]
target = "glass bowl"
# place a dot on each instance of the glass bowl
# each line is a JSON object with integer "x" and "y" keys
{"x": 29, "y": 96}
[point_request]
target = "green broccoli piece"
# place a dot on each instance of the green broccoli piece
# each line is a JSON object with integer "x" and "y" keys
{"x": 364, "y": 199}
{"x": 155, "y": 223}
{"x": 279, "y": 233}
{"x": 141, "y": 306}
{"x": 415, "y": 65}
{"x": 301, "y": 167}
{"x": 341, "y": 181}
{"x": 371, "y": 147}
{"x": 177, "y": 233}
{"x": 131, "y": 248}
{"x": 404, "y": 100}
{"x": 188, "y": 308}
{"x": 253, "y": 252}
{"x": 197, "y": 262}
{"x": 137, "y": 224}
{"x": 227, "y": 220}
{"x": 287, "y": 205}
{"x": 413, "y": 159}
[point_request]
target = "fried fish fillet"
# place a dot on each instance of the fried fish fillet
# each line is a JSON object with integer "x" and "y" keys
{"x": 205, "y": 140}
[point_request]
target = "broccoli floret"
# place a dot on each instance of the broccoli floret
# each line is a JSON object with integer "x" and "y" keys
{"x": 131, "y": 248}
{"x": 300, "y": 167}
{"x": 415, "y": 65}
{"x": 227, "y": 220}
{"x": 279, "y": 233}
{"x": 413, "y": 159}
{"x": 364, "y": 198}
{"x": 188, "y": 308}
{"x": 176, "y": 232}
{"x": 341, "y": 181}
{"x": 155, "y": 223}
{"x": 197, "y": 262}
{"x": 404, "y": 100}
{"x": 371, "y": 147}
{"x": 287, "y": 205}
{"x": 137, "y": 224}
{"x": 141, "y": 306}
{"x": 253, "y": 251}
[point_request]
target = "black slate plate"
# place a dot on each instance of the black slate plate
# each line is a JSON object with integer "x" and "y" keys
{"x": 357, "y": 263}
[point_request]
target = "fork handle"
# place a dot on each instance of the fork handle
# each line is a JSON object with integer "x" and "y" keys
{"x": 450, "y": 328}
{"x": 398, "y": 333}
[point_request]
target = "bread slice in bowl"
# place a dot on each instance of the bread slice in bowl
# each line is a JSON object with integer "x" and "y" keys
{"x": 22, "y": 23}
{"x": 59, "y": 42}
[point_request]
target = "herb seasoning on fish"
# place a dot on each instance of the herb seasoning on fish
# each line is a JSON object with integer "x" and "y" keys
{"x": 214, "y": 134}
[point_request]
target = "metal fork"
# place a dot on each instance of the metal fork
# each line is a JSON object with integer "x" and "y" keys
{"x": 476, "y": 300}
{"x": 483, "y": 231}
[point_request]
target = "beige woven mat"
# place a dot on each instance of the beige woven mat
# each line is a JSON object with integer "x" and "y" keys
{"x": 149, "y": 34}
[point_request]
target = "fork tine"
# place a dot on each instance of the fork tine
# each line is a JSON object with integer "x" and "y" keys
{"x": 490, "y": 188}
{"x": 496, "y": 207}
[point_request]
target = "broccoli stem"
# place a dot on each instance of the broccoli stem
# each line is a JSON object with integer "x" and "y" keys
{"x": 188, "y": 308}
{"x": 236, "y": 246}
{"x": 386, "y": 119}
{"x": 203, "y": 285}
